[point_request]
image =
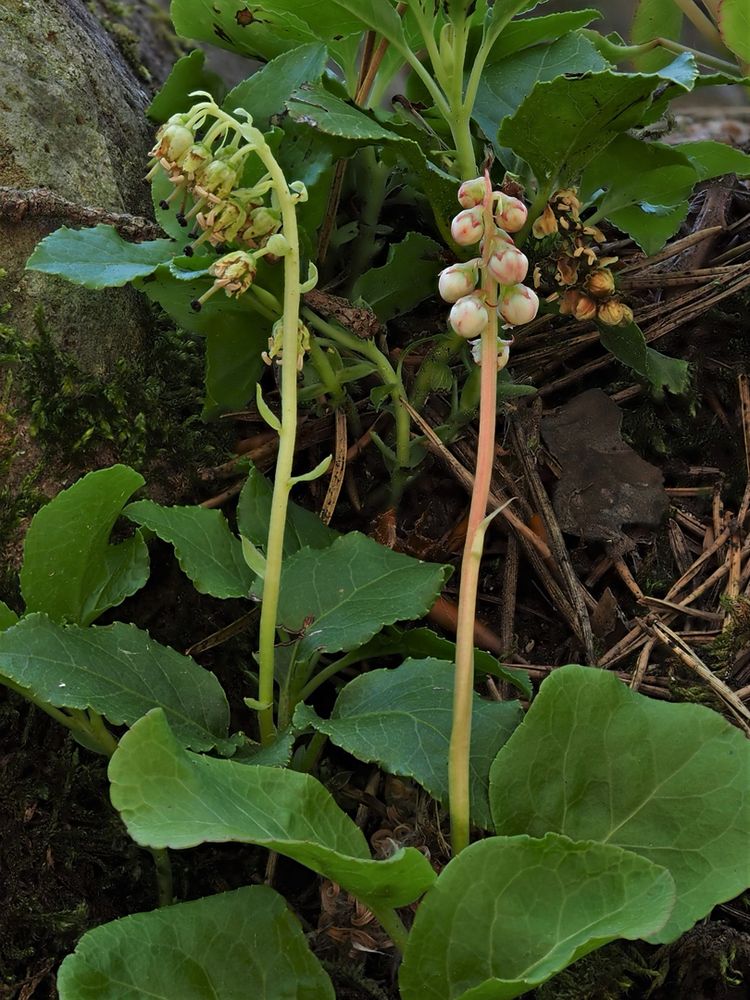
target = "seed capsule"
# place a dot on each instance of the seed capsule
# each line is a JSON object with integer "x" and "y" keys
{"x": 600, "y": 283}
{"x": 469, "y": 316}
{"x": 518, "y": 305}
{"x": 615, "y": 313}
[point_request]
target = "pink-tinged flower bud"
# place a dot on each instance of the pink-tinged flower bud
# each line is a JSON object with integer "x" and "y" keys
{"x": 469, "y": 316}
{"x": 510, "y": 214}
{"x": 518, "y": 305}
{"x": 472, "y": 193}
{"x": 508, "y": 265}
{"x": 457, "y": 280}
{"x": 468, "y": 226}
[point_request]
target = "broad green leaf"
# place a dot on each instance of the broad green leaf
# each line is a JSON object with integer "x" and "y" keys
{"x": 169, "y": 797}
{"x": 378, "y": 15}
{"x": 263, "y": 94}
{"x": 565, "y": 123}
{"x": 98, "y": 257}
{"x": 187, "y": 75}
{"x": 714, "y": 159}
{"x": 642, "y": 188}
{"x": 423, "y": 643}
{"x": 629, "y": 346}
{"x": 208, "y": 553}
{"x": 596, "y": 761}
{"x": 733, "y": 19}
{"x": 530, "y": 31}
{"x": 655, "y": 19}
{"x": 509, "y": 912}
{"x": 505, "y": 83}
{"x": 8, "y": 617}
{"x": 503, "y": 10}
{"x": 118, "y": 671}
{"x": 401, "y": 720}
{"x": 275, "y": 754}
{"x": 236, "y": 335}
{"x": 70, "y": 570}
{"x": 339, "y": 597}
{"x": 303, "y": 527}
{"x": 408, "y": 277}
{"x": 245, "y": 943}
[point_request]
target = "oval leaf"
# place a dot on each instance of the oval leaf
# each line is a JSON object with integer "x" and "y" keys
{"x": 70, "y": 571}
{"x": 208, "y": 553}
{"x": 340, "y": 597}
{"x": 119, "y": 672}
{"x": 733, "y": 19}
{"x": 169, "y": 797}
{"x": 595, "y": 761}
{"x": 303, "y": 527}
{"x": 401, "y": 719}
{"x": 510, "y": 912}
{"x": 244, "y": 943}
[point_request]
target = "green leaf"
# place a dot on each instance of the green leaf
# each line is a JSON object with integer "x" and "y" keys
{"x": 714, "y": 159}
{"x": 98, "y": 257}
{"x": 507, "y": 913}
{"x": 118, "y": 671}
{"x": 339, "y": 597}
{"x": 505, "y": 83}
{"x": 401, "y": 720}
{"x": 408, "y": 277}
{"x": 596, "y": 761}
{"x": 422, "y": 643}
{"x": 169, "y": 797}
{"x": 187, "y": 75}
{"x": 642, "y": 188}
{"x": 208, "y": 553}
{"x": 733, "y": 20}
{"x": 530, "y": 31}
{"x": 503, "y": 10}
{"x": 245, "y": 943}
{"x": 629, "y": 346}
{"x": 565, "y": 123}
{"x": 264, "y": 93}
{"x": 8, "y": 617}
{"x": 278, "y": 753}
{"x": 70, "y": 571}
{"x": 303, "y": 527}
{"x": 655, "y": 19}
{"x": 378, "y": 15}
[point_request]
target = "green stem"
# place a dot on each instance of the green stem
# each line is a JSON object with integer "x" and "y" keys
{"x": 283, "y": 475}
{"x": 328, "y": 377}
{"x": 619, "y": 53}
{"x": 374, "y": 191}
{"x": 461, "y": 109}
{"x": 391, "y": 923}
{"x": 426, "y": 31}
{"x": 460, "y": 742}
{"x": 309, "y": 760}
{"x": 164, "y": 879}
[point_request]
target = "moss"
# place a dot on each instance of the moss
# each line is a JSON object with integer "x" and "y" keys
{"x": 722, "y": 653}
{"x": 615, "y": 972}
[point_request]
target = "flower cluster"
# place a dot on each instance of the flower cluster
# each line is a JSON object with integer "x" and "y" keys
{"x": 203, "y": 154}
{"x": 588, "y": 284}
{"x": 488, "y": 218}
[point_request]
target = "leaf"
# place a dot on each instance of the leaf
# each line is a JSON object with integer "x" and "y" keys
{"x": 507, "y": 913}
{"x": 401, "y": 720}
{"x": 169, "y": 797}
{"x": 503, "y": 10}
{"x": 118, "y": 671}
{"x": 264, "y": 93}
{"x": 642, "y": 188}
{"x": 408, "y": 277}
{"x": 98, "y": 257}
{"x": 581, "y": 117}
{"x": 628, "y": 345}
{"x": 377, "y": 15}
{"x": 714, "y": 159}
{"x": 339, "y": 597}
{"x": 733, "y": 21}
{"x": 208, "y": 553}
{"x": 275, "y": 754}
{"x": 8, "y": 617}
{"x": 530, "y": 31}
{"x": 303, "y": 527}
{"x": 596, "y": 761}
{"x": 70, "y": 571}
{"x": 244, "y": 943}
{"x": 655, "y": 19}
{"x": 505, "y": 83}
{"x": 187, "y": 75}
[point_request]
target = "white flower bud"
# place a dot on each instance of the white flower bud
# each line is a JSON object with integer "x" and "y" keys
{"x": 218, "y": 179}
{"x": 173, "y": 140}
{"x": 457, "y": 280}
{"x": 518, "y": 305}
{"x": 510, "y": 213}
{"x": 503, "y": 352}
{"x": 471, "y": 193}
{"x": 468, "y": 226}
{"x": 469, "y": 316}
{"x": 508, "y": 265}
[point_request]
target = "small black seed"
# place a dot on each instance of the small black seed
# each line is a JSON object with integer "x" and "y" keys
{"x": 196, "y": 306}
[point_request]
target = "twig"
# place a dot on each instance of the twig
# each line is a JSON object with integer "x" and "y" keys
{"x": 642, "y": 665}
{"x": 17, "y": 204}
{"x": 338, "y": 470}
{"x": 510, "y": 586}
